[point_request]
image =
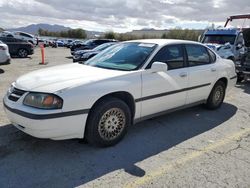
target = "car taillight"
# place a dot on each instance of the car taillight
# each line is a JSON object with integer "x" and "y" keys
{"x": 3, "y": 48}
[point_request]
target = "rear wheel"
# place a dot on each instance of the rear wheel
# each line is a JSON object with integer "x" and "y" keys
{"x": 216, "y": 96}
{"x": 22, "y": 53}
{"x": 108, "y": 122}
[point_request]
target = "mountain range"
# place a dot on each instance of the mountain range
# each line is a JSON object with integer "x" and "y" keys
{"x": 33, "y": 29}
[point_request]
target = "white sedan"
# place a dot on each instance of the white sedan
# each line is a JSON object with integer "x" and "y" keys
{"x": 124, "y": 84}
{"x": 4, "y": 53}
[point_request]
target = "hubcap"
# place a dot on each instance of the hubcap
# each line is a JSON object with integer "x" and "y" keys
{"x": 218, "y": 95}
{"x": 111, "y": 124}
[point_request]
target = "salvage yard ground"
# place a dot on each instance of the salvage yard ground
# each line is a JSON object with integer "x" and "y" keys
{"x": 190, "y": 148}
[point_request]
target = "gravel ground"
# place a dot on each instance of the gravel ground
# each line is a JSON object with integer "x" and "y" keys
{"x": 190, "y": 148}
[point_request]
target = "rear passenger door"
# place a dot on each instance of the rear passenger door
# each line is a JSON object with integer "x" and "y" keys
{"x": 202, "y": 72}
{"x": 165, "y": 90}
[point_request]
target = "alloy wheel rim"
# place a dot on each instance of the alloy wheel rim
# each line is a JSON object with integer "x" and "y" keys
{"x": 111, "y": 124}
{"x": 22, "y": 53}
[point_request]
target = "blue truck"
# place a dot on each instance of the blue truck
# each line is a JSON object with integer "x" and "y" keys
{"x": 231, "y": 43}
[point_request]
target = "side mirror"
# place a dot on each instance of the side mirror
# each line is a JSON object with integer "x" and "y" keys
{"x": 159, "y": 67}
{"x": 199, "y": 38}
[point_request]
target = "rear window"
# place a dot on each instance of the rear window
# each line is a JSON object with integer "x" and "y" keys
{"x": 212, "y": 55}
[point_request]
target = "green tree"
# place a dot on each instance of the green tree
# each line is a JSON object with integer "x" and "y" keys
{"x": 72, "y": 33}
{"x": 110, "y": 35}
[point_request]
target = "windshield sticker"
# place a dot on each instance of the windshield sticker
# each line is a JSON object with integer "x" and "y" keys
{"x": 146, "y": 45}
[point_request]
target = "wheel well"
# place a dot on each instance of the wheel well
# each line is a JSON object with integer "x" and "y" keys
{"x": 231, "y": 58}
{"x": 224, "y": 80}
{"x": 125, "y": 97}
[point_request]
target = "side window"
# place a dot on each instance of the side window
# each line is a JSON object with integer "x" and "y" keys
{"x": 25, "y": 35}
{"x": 172, "y": 55}
{"x": 197, "y": 55}
{"x": 212, "y": 55}
{"x": 9, "y": 39}
{"x": 3, "y": 39}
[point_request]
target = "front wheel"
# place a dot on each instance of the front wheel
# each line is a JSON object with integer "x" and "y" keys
{"x": 107, "y": 123}
{"x": 216, "y": 96}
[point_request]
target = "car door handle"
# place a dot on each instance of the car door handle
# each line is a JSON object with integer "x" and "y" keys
{"x": 213, "y": 69}
{"x": 183, "y": 74}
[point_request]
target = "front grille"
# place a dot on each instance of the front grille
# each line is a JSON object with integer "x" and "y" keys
{"x": 15, "y": 94}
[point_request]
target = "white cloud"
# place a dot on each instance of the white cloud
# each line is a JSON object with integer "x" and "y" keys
{"x": 119, "y": 15}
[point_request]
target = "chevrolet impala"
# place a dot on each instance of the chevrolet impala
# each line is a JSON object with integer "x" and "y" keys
{"x": 129, "y": 82}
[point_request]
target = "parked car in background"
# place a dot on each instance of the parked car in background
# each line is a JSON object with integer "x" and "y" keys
{"x": 20, "y": 35}
{"x": 25, "y": 36}
{"x": 67, "y": 42}
{"x": 43, "y": 42}
{"x": 89, "y": 44}
{"x": 4, "y": 53}
{"x": 84, "y": 55}
{"x": 60, "y": 43}
{"x": 75, "y": 42}
{"x": 6, "y": 34}
{"x": 18, "y": 47}
{"x": 100, "y": 99}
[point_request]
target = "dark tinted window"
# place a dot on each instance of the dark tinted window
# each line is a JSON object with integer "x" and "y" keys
{"x": 10, "y": 39}
{"x": 212, "y": 55}
{"x": 197, "y": 55}
{"x": 25, "y": 35}
{"x": 3, "y": 39}
{"x": 219, "y": 39}
{"x": 172, "y": 55}
{"x": 99, "y": 42}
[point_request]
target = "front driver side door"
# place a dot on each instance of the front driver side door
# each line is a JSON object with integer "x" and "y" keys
{"x": 162, "y": 91}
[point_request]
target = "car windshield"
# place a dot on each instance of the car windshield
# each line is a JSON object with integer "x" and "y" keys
{"x": 88, "y": 42}
{"x": 124, "y": 56}
{"x": 219, "y": 39}
{"x": 103, "y": 46}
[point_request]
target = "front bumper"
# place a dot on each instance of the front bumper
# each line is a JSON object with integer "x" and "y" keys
{"x": 37, "y": 125}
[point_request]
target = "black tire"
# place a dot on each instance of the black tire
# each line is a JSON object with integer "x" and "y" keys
{"x": 216, "y": 96}
{"x": 108, "y": 122}
{"x": 23, "y": 53}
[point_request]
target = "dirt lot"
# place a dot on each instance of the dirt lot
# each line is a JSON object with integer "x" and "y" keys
{"x": 190, "y": 148}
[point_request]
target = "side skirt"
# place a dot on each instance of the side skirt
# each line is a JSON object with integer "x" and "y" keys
{"x": 169, "y": 111}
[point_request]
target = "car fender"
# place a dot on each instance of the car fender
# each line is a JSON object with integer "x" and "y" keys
{"x": 86, "y": 95}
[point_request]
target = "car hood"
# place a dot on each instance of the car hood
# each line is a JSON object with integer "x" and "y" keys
{"x": 217, "y": 47}
{"x": 63, "y": 77}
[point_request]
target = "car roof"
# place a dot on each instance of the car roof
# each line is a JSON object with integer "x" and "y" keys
{"x": 163, "y": 42}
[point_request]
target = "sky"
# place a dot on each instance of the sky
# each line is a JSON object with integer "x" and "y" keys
{"x": 120, "y": 15}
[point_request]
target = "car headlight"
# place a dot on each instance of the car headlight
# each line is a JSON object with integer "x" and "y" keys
{"x": 43, "y": 101}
